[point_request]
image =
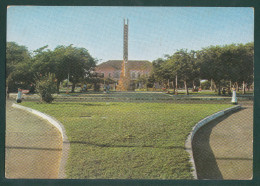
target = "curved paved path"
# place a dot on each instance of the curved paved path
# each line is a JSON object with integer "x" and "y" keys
{"x": 223, "y": 149}
{"x": 33, "y": 146}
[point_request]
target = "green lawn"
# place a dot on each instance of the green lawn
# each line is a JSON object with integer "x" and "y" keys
{"x": 118, "y": 140}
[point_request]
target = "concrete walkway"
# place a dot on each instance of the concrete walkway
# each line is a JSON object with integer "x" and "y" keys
{"x": 33, "y": 146}
{"x": 223, "y": 149}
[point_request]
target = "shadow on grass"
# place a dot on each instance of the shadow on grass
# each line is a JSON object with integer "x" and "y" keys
{"x": 33, "y": 148}
{"x": 120, "y": 146}
{"x": 205, "y": 161}
{"x": 80, "y": 103}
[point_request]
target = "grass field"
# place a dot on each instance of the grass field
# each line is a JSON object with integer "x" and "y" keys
{"x": 117, "y": 140}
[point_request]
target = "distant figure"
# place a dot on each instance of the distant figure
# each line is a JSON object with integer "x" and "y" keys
{"x": 107, "y": 88}
{"x": 19, "y": 96}
{"x": 32, "y": 89}
{"x": 224, "y": 91}
{"x": 84, "y": 89}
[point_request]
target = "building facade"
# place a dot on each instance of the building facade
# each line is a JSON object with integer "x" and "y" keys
{"x": 136, "y": 68}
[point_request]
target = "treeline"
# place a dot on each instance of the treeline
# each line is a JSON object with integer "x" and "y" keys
{"x": 224, "y": 66}
{"x": 23, "y": 68}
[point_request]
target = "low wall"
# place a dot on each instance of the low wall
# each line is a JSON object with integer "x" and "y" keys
{"x": 188, "y": 143}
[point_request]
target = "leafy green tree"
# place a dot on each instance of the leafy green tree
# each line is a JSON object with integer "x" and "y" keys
{"x": 74, "y": 62}
{"x": 65, "y": 62}
{"x": 42, "y": 61}
{"x": 213, "y": 64}
{"x": 46, "y": 86}
{"x": 163, "y": 71}
{"x": 143, "y": 80}
{"x": 184, "y": 66}
{"x": 15, "y": 54}
{"x": 61, "y": 61}
{"x": 95, "y": 80}
{"x": 159, "y": 72}
{"x": 17, "y": 62}
{"x": 227, "y": 63}
{"x": 244, "y": 64}
{"x": 205, "y": 85}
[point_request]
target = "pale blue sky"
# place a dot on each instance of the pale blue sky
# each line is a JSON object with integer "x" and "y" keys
{"x": 153, "y": 31}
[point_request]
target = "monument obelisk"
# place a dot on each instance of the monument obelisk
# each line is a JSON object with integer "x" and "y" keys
{"x": 124, "y": 81}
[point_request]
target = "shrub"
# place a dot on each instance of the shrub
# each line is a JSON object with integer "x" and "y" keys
{"x": 46, "y": 86}
{"x": 96, "y": 87}
{"x": 205, "y": 85}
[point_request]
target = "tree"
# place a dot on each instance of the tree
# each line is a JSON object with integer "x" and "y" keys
{"x": 43, "y": 62}
{"x": 95, "y": 79}
{"x": 163, "y": 71}
{"x": 61, "y": 61}
{"x": 46, "y": 86}
{"x": 245, "y": 58}
{"x": 227, "y": 63}
{"x": 74, "y": 62}
{"x": 64, "y": 62}
{"x": 213, "y": 64}
{"x": 142, "y": 80}
{"x": 15, "y": 54}
{"x": 160, "y": 73}
{"x": 183, "y": 66}
{"x": 17, "y": 59}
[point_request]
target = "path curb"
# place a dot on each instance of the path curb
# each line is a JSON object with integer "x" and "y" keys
{"x": 60, "y": 127}
{"x": 201, "y": 123}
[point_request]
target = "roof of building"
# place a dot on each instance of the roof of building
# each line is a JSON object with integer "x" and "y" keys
{"x": 132, "y": 65}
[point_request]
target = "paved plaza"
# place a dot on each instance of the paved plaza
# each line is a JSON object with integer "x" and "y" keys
{"x": 33, "y": 146}
{"x": 223, "y": 149}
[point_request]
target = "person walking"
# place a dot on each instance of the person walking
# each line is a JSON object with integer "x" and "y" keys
{"x": 19, "y": 96}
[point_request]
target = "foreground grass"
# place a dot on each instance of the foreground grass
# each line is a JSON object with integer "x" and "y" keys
{"x": 128, "y": 140}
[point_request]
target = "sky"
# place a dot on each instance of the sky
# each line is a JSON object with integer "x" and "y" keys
{"x": 153, "y": 31}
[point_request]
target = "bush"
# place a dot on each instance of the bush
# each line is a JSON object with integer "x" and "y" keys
{"x": 46, "y": 86}
{"x": 205, "y": 85}
{"x": 96, "y": 87}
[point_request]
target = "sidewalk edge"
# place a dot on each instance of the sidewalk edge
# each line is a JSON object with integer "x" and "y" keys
{"x": 201, "y": 123}
{"x": 60, "y": 127}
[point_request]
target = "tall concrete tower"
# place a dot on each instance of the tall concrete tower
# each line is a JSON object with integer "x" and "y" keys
{"x": 124, "y": 81}
{"x": 125, "y": 53}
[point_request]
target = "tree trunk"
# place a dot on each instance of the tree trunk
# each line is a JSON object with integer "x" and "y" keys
{"x": 193, "y": 85}
{"x": 219, "y": 91}
{"x": 215, "y": 86}
{"x": 73, "y": 87}
{"x": 237, "y": 87}
{"x": 173, "y": 87}
{"x": 244, "y": 88}
{"x": 58, "y": 87}
{"x": 211, "y": 84}
{"x": 230, "y": 85}
{"x": 186, "y": 88}
{"x": 176, "y": 85}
